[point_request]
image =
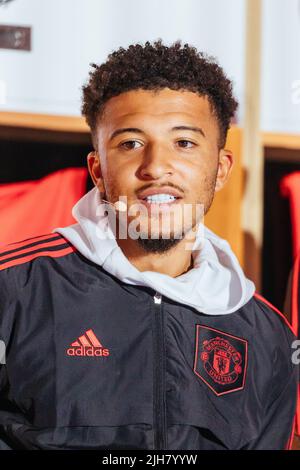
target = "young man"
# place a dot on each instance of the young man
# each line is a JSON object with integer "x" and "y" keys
{"x": 136, "y": 327}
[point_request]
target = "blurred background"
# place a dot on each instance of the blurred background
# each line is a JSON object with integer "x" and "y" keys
{"x": 45, "y": 51}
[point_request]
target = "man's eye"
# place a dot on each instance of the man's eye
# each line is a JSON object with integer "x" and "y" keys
{"x": 130, "y": 144}
{"x": 185, "y": 143}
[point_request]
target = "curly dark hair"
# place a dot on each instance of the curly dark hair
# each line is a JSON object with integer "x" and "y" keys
{"x": 156, "y": 66}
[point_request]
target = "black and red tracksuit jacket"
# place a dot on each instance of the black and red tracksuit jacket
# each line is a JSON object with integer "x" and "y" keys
{"x": 93, "y": 363}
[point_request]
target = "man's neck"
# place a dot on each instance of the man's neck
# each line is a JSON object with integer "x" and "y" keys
{"x": 173, "y": 262}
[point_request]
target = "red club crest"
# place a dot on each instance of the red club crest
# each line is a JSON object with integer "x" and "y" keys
{"x": 220, "y": 359}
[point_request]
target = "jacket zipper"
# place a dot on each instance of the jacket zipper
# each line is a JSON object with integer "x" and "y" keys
{"x": 160, "y": 438}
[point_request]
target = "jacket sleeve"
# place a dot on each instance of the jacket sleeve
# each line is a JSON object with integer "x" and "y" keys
{"x": 277, "y": 423}
{"x": 292, "y": 308}
{"x": 7, "y": 290}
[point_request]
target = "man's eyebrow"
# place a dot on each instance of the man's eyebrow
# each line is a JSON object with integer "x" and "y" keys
{"x": 125, "y": 129}
{"x": 189, "y": 128}
{"x": 139, "y": 131}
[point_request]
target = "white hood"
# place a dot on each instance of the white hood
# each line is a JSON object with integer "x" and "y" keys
{"x": 216, "y": 285}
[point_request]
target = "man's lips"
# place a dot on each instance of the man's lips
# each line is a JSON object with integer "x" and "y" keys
{"x": 160, "y": 205}
{"x": 142, "y": 195}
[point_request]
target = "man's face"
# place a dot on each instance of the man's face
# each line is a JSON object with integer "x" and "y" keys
{"x": 163, "y": 142}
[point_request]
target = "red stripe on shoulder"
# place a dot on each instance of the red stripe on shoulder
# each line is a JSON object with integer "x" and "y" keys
{"x": 31, "y": 240}
{"x": 31, "y": 256}
{"x": 28, "y": 248}
{"x": 262, "y": 299}
{"x": 22, "y": 244}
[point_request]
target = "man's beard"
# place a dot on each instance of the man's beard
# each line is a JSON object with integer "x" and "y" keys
{"x": 159, "y": 245}
{"x": 162, "y": 245}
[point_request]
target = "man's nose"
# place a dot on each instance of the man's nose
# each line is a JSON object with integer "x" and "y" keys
{"x": 157, "y": 162}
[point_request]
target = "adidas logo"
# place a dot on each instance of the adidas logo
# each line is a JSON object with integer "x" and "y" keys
{"x": 87, "y": 345}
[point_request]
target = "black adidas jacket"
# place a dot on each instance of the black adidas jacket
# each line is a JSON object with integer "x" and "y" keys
{"x": 92, "y": 363}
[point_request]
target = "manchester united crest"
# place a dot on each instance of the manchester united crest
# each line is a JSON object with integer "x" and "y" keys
{"x": 220, "y": 360}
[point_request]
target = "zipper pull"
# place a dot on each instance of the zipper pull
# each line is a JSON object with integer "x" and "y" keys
{"x": 157, "y": 298}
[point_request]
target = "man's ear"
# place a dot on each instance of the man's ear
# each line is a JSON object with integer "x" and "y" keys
{"x": 224, "y": 168}
{"x": 94, "y": 167}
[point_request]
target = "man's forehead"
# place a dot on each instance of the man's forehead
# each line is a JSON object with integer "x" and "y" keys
{"x": 162, "y": 103}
